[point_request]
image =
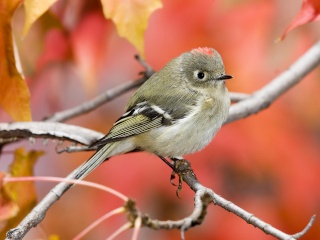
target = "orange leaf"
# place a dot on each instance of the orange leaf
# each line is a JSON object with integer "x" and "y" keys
{"x": 14, "y": 93}
{"x": 310, "y": 11}
{"x": 18, "y": 198}
{"x": 34, "y": 9}
{"x": 131, "y": 18}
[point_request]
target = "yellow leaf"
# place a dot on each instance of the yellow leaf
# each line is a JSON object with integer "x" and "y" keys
{"x": 34, "y": 9}
{"x": 8, "y": 208}
{"x": 20, "y": 196}
{"x": 14, "y": 93}
{"x": 54, "y": 237}
{"x": 131, "y": 18}
{"x": 23, "y": 162}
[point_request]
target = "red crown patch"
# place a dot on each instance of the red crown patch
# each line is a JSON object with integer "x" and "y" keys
{"x": 203, "y": 50}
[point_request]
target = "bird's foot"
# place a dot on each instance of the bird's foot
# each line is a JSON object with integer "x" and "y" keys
{"x": 181, "y": 167}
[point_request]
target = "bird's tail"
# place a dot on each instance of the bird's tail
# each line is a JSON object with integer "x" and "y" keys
{"x": 99, "y": 157}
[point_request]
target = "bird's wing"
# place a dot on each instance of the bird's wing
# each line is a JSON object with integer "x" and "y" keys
{"x": 142, "y": 118}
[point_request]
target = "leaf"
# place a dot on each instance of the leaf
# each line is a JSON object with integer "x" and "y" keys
{"x": 34, "y": 9}
{"x": 131, "y": 18}
{"x": 89, "y": 41}
{"x": 53, "y": 237}
{"x": 310, "y": 11}
{"x": 19, "y": 197}
{"x": 8, "y": 208}
{"x": 14, "y": 93}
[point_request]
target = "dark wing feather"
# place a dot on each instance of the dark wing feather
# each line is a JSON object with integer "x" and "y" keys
{"x": 140, "y": 119}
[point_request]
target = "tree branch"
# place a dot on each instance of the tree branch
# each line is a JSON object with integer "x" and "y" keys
{"x": 111, "y": 94}
{"x": 247, "y": 105}
{"x": 262, "y": 98}
{"x": 252, "y": 104}
{"x": 11, "y": 132}
{"x": 104, "y": 97}
{"x": 95, "y": 102}
{"x": 203, "y": 197}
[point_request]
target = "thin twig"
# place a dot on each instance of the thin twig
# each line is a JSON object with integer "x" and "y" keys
{"x": 137, "y": 228}
{"x": 95, "y": 102}
{"x": 68, "y": 181}
{"x": 148, "y": 69}
{"x": 102, "y": 98}
{"x": 120, "y": 230}
{"x": 304, "y": 231}
{"x": 98, "y": 221}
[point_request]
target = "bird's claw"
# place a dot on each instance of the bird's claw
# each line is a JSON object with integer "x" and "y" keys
{"x": 181, "y": 167}
{"x": 172, "y": 177}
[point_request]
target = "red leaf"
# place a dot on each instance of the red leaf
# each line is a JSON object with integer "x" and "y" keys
{"x": 310, "y": 11}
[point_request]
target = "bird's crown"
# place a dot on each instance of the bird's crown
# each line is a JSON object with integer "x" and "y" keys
{"x": 203, "y": 50}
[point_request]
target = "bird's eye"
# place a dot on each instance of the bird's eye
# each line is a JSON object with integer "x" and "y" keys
{"x": 200, "y": 75}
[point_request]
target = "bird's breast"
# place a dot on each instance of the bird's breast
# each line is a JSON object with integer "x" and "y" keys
{"x": 191, "y": 133}
{"x": 208, "y": 103}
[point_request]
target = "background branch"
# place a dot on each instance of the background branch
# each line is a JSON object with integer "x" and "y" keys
{"x": 104, "y": 97}
{"x": 111, "y": 94}
{"x": 262, "y": 98}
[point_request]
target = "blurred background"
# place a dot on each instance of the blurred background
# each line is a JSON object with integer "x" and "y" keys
{"x": 268, "y": 163}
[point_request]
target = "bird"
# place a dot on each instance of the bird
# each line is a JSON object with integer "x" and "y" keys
{"x": 176, "y": 112}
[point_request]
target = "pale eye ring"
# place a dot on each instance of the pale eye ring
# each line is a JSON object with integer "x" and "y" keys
{"x": 201, "y": 75}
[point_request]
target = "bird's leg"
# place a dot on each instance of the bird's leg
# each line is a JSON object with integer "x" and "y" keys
{"x": 171, "y": 166}
{"x": 184, "y": 171}
{"x": 181, "y": 167}
{"x": 174, "y": 172}
{"x": 166, "y": 162}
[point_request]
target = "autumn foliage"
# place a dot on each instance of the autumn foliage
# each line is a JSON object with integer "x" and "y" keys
{"x": 71, "y": 51}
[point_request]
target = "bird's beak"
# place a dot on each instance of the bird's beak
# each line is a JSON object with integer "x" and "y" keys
{"x": 224, "y": 77}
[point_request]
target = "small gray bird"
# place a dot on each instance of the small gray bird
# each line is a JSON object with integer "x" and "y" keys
{"x": 177, "y": 111}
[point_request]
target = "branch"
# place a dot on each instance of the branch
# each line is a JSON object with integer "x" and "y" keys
{"x": 184, "y": 170}
{"x": 113, "y": 93}
{"x": 255, "y": 103}
{"x": 252, "y": 104}
{"x": 203, "y": 197}
{"x": 38, "y": 213}
{"x": 262, "y": 98}
{"x": 95, "y": 102}
{"x": 102, "y": 98}
{"x": 247, "y": 105}
{"x": 11, "y": 132}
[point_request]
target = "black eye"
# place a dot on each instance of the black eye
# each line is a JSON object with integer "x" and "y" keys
{"x": 200, "y": 75}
